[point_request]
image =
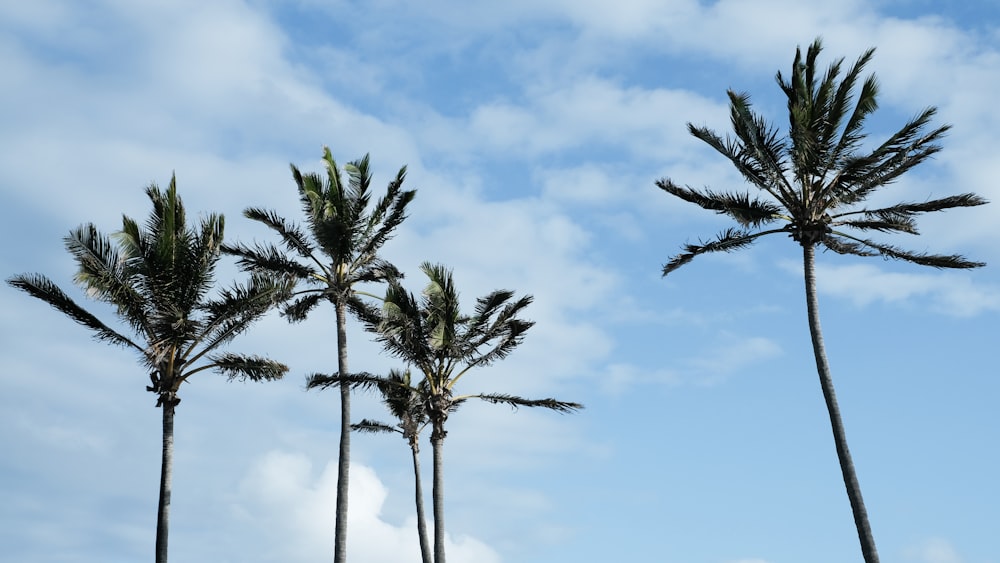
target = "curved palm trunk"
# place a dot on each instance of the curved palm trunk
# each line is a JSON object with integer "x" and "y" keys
{"x": 166, "y": 474}
{"x": 839, "y": 436}
{"x": 425, "y": 548}
{"x": 344, "y": 463}
{"x": 437, "y": 443}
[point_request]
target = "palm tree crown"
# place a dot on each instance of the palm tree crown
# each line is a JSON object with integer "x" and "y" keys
{"x": 340, "y": 248}
{"x": 158, "y": 279}
{"x": 816, "y": 176}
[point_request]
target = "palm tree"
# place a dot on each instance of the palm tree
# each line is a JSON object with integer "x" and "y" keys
{"x": 814, "y": 182}
{"x": 158, "y": 279}
{"x": 339, "y": 251}
{"x": 406, "y": 403}
{"x": 432, "y": 334}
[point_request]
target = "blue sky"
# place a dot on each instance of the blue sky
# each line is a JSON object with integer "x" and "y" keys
{"x": 533, "y": 132}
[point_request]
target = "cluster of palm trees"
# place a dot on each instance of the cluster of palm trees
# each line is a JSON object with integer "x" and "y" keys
{"x": 813, "y": 183}
{"x": 158, "y": 279}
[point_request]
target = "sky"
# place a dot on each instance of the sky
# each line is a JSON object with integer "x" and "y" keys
{"x": 533, "y": 133}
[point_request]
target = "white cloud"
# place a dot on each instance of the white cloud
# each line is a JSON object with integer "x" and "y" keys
{"x": 282, "y": 498}
{"x": 948, "y": 293}
{"x": 706, "y": 367}
{"x": 590, "y": 111}
{"x": 934, "y": 550}
{"x": 730, "y": 356}
{"x": 621, "y": 377}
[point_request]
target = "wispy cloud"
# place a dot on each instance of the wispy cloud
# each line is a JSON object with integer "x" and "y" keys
{"x": 947, "y": 293}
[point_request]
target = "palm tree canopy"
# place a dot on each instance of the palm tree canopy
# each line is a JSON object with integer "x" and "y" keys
{"x": 343, "y": 235}
{"x": 432, "y": 333}
{"x": 815, "y": 178}
{"x": 158, "y": 277}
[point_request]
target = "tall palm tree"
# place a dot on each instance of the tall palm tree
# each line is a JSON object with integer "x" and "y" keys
{"x": 338, "y": 252}
{"x": 158, "y": 279}
{"x": 406, "y": 403}
{"x": 814, "y": 181}
{"x": 432, "y": 334}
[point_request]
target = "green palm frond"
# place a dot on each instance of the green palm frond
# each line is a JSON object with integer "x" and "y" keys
{"x": 41, "y": 287}
{"x": 884, "y": 222}
{"x": 108, "y": 275}
{"x": 241, "y": 304}
{"x": 374, "y": 427}
{"x": 910, "y": 146}
{"x": 291, "y": 236}
{"x": 853, "y": 134}
{"x": 747, "y": 211}
{"x": 268, "y": 258}
{"x": 727, "y": 241}
{"x": 297, "y": 309}
{"x": 253, "y": 368}
{"x": 760, "y": 147}
{"x": 375, "y": 270}
{"x": 515, "y": 401}
{"x": 912, "y": 209}
{"x": 940, "y": 261}
{"x": 360, "y": 380}
{"x": 359, "y": 181}
{"x": 400, "y": 327}
{"x": 837, "y": 243}
{"x": 388, "y": 214}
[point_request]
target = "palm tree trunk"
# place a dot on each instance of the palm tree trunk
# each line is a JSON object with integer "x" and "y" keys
{"x": 344, "y": 458}
{"x": 166, "y": 474}
{"x": 437, "y": 443}
{"x": 839, "y": 436}
{"x": 425, "y": 548}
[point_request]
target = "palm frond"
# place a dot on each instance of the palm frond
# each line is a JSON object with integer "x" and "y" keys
{"x": 361, "y": 380}
{"x": 727, "y": 241}
{"x": 940, "y": 261}
{"x": 267, "y": 258}
{"x": 515, "y": 402}
{"x": 371, "y": 269}
{"x": 381, "y": 227}
{"x": 235, "y": 310}
{"x": 41, "y": 287}
{"x": 107, "y": 275}
{"x": 911, "y": 209}
{"x": 837, "y": 243}
{"x": 291, "y": 236}
{"x": 374, "y": 427}
{"x": 298, "y": 309}
{"x": 253, "y": 368}
{"x": 852, "y": 134}
{"x": 761, "y": 147}
{"x": 747, "y": 211}
{"x": 401, "y": 327}
{"x": 883, "y": 222}
{"x": 908, "y": 147}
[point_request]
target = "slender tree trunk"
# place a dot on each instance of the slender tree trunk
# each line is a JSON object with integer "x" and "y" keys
{"x": 839, "y": 436}
{"x": 425, "y": 548}
{"x": 437, "y": 443}
{"x": 344, "y": 463}
{"x": 166, "y": 474}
